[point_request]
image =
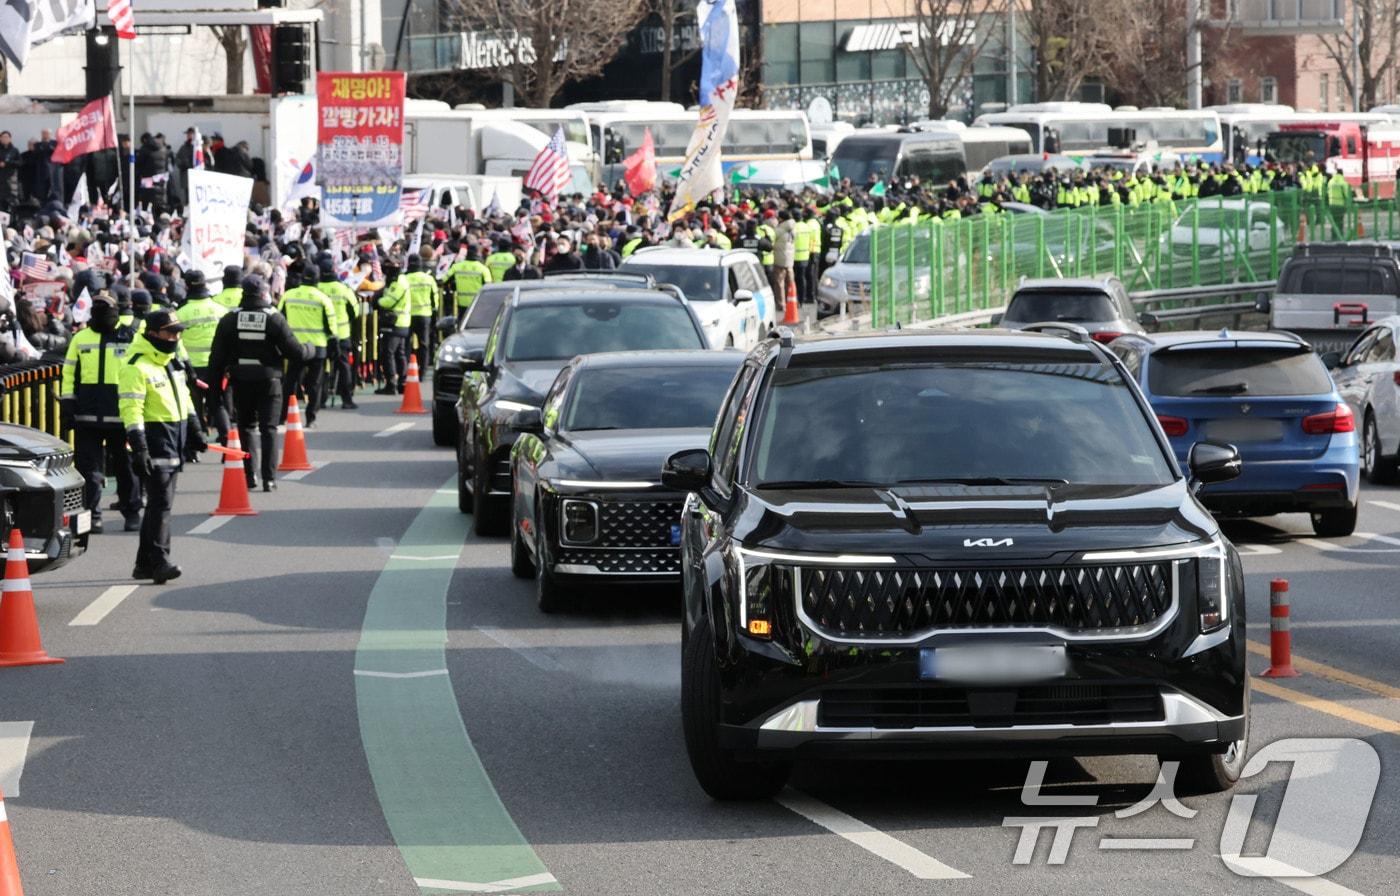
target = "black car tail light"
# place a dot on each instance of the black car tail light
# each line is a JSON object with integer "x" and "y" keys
{"x": 1210, "y": 592}
{"x": 580, "y": 522}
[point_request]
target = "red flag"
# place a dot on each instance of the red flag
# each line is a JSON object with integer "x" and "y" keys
{"x": 95, "y": 128}
{"x": 639, "y": 169}
{"x": 119, "y": 11}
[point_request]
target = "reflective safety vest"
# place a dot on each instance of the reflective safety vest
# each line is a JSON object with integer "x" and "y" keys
{"x": 422, "y": 294}
{"x": 498, "y": 263}
{"x": 801, "y": 242}
{"x": 395, "y": 301}
{"x": 1338, "y": 190}
{"x": 768, "y": 232}
{"x": 155, "y": 403}
{"x": 201, "y": 318}
{"x": 90, "y": 372}
{"x": 468, "y": 276}
{"x": 230, "y": 296}
{"x": 631, "y": 246}
{"x": 345, "y": 303}
{"x": 310, "y": 314}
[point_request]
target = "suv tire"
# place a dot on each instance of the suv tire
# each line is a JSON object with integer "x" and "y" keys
{"x": 1213, "y": 772}
{"x": 717, "y": 770}
{"x": 520, "y": 564}
{"x": 1334, "y": 523}
{"x": 444, "y": 425}
{"x": 464, "y": 494}
{"x": 1375, "y": 466}
{"x": 485, "y": 513}
{"x": 549, "y": 594}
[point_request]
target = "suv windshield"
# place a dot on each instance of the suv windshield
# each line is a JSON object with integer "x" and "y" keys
{"x": 1059, "y": 304}
{"x": 554, "y": 332}
{"x": 646, "y": 397}
{"x": 487, "y": 304}
{"x": 909, "y": 423}
{"x": 700, "y": 283}
{"x": 1238, "y": 371}
{"x": 859, "y": 250}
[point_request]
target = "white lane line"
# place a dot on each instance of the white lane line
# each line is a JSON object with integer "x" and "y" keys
{"x": 1383, "y": 539}
{"x": 499, "y": 886}
{"x": 14, "y": 747}
{"x": 1388, "y": 505}
{"x": 1256, "y": 550}
{"x": 302, "y": 474}
{"x": 106, "y": 602}
{"x": 396, "y": 428}
{"x": 1262, "y": 866}
{"x": 1335, "y": 548}
{"x": 429, "y": 557}
{"x": 535, "y": 656}
{"x": 208, "y": 526}
{"x": 920, "y": 865}
{"x": 428, "y": 673}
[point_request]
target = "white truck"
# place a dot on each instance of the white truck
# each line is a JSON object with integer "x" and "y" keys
{"x": 1328, "y": 293}
{"x": 474, "y": 191}
{"x": 487, "y": 142}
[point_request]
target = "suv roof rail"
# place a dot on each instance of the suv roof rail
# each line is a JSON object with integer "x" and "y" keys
{"x": 1360, "y": 248}
{"x": 1063, "y": 329}
{"x": 599, "y": 273}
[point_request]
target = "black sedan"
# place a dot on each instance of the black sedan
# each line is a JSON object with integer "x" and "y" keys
{"x": 587, "y": 502}
{"x": 43, "y": 496}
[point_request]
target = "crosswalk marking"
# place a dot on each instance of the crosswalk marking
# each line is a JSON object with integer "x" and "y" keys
{"x": 1388, "y": 505}
{"x": 106, "y": 602}
{"x": 396, "y": 428}
{"x": 208, "y": 526}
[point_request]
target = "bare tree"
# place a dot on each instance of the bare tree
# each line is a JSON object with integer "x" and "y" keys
{"x": 1375, "y": 25}
{"x": 1071, "y": 40}
{"x": 549, "y": 44}
{"x": 949, "y": 34}
{"x": 1148, "y": 64}
{"x": 234, "y": 40}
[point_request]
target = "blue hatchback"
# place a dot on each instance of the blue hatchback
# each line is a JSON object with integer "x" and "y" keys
{"x": 1270, "y": 396}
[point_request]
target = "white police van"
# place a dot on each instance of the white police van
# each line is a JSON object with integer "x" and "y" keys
{"x": 726, "y": 287}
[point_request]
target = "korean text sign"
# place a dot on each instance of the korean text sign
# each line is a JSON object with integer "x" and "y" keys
{"x": 360, "y": 146}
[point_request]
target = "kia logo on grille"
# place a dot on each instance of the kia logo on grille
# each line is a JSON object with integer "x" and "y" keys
{"x": 988, "y": 542}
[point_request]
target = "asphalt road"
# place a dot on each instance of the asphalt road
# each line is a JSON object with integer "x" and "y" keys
{"x": 349, "y": 694}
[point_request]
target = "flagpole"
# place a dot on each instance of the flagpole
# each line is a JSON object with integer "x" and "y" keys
{"x": 131, "y": 159}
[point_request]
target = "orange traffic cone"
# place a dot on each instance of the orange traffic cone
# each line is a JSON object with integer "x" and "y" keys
{"x": 233, "y": 496}
{"x": 19, "y": 626}
{"x": 1360, "y": 227}
{"x": 9, "y": 865}
{"x": 1302, "y": 227}
{"x": 412, "y": 395}
{"x": 294, "y": 443}
{"x": 790, "y": 312}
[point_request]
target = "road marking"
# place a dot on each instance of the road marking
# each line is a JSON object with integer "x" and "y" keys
{"x": 1329, "y": 707}
{"x": 535, "y": 656}
{"x": 1256, "y": 550}
{"x": 444, "y": 813}
{"x": 879, "y": 843}
{"x": 1322, "y": 670}
{"x": 1335, "y": 548}
{"x": 1263, "y": 866}
{"x": 499, "y": 886}
{"x": 1386, "y": 504}
{"x": 302, "y": 474}
{"x": 210, "y": 525}
{"x": 396, "y": 428}
{"x": 428, "y": 557}
{"x": 1383, "y": 539}
{"x": 14, "y": 747}
{"x": 106, "y": 602}
{"x": 384, "y": 543}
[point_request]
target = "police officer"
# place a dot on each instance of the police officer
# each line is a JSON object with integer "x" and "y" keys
{"x": 312, "y": 318}
{"x": 467, "y": 277}
{"x": 501, "y": 260}
{"x": 200, "y": 314}
{"x": 163, "y": 433}
{"x": 232, "y": 294}
{"x": 342, "y": 347}
{"x": 394, "y": 320}
{"x": 88, "y": 406}
{"x": 423, "y": 301}
{"x": 250, "y": 345}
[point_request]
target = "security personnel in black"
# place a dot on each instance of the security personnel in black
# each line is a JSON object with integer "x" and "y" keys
{"x": 88, "y": 406}
{"x": 250, "y": 346}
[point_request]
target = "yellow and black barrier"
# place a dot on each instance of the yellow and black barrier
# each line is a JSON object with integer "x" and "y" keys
{"x": 29, "y": 395}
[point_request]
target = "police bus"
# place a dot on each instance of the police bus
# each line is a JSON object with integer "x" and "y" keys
{"x": 1079, "y": 128}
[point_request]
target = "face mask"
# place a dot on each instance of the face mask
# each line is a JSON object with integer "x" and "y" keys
{"x": 166, "y": 346}
{"x": 104, "y": 318}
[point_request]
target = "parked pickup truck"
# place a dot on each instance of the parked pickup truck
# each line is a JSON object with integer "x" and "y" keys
{"x": 1329, "y": 292}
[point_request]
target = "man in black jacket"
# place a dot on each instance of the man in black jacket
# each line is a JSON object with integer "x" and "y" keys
{"x": 250, "y": 345}
{"x": 9, "y": 173}
{"x": 152, "y": 173}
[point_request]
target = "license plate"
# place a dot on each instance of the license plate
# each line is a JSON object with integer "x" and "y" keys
{"x": 993, "y": 663}
{"x": 82, "y": 522}
{"x": 1244, "y": 430}
{"x": 675, "y": 534}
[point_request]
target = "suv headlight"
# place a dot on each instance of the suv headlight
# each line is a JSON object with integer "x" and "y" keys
{"x": 451, "y": 353}
{"x": 828, "y": 281}
{"x": 578, "y": 521}
{"x": 758, "y": 584}
{"x": 1211, "y": 600}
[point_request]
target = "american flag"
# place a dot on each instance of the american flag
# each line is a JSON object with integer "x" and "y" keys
{"x": 414, "y": 205}
{"x": 198, "y": 145}
{"x": 35, "y": 267}
{"x": 119, "y": 11}
{"x": 549, "y": 172}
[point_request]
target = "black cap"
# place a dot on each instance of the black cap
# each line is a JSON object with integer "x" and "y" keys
{"x": 163, "y": 320}
{"x": 309, "y": 271}
{"x": 233, "y": 275}
{"x": 140, "y": 300}
{"x": 253, "y": 287}
{"x": 195, "y": 287}
{"x": 327, "y": 269}
{"x": 152, "y": 281}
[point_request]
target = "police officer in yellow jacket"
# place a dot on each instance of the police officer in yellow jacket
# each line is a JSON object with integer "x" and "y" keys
{"x": 232, "y": 293}
{"x": 88, "y": 405}
{"x": 423, "y": 301}
{"x": 163, "y": 433}
{"x": 394, "y": 319}
{"x": 467, "y": 277}
{"x": 312, "y": 318}
{"x": 342, "y": 348}
{"x": 200, "y": 315}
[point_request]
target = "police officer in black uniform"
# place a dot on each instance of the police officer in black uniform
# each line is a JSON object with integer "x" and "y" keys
{"x": 250, "y": 345}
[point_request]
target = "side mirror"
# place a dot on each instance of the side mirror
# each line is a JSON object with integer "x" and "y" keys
{"x": 446, "y": 326}
{"x": 528, "y": 420}
{"x": 1213, "y": 462}
{"x": 1148, "y": 320}
{"x": 996, "y": 320}
{"x": 473, "y": 359}
{"x": 1332, "y": 360}
{"x": 687, "y": 471}
{"x": 743, "y": 295}
{"x": 1263, "y": 305}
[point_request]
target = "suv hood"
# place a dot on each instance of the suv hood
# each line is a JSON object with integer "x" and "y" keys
{"x": 23, "y": 443}
{"x": 627, "y": 454}
{"x": 942, "y": 522}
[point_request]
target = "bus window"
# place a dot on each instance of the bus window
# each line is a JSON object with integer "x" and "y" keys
{"x": 1052, "y": 140}
{"x": 931, "y": 165}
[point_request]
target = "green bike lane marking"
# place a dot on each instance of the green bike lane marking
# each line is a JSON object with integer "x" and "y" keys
{"x": 445, "y": 816}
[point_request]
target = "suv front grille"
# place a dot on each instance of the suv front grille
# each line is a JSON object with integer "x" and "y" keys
{"x": 661, "y": 561}
{"x": 897, "y": 602}
{"x": 931, "y": 706}
{"x": 637, "y": 524}
{"x": 73, "y": 499}
{"x": 446, "y": 382}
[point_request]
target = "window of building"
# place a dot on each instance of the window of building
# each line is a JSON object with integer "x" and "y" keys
{"x": 1324, "y": 101}
{"x": 818, "y": 52}
{"x": 1268, "y": 90}
{"x": 887, "y": 65}
{"x": 780, "y": 54}
{"x": 850, "y": 66}
{"x": 1234, "y": 91}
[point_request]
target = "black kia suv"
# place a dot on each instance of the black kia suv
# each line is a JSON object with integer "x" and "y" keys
{"x": 952, "y": 543}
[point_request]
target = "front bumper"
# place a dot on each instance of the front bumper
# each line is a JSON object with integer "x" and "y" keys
{"x": 48, "y": 509}
{"x": 636, "y": 541}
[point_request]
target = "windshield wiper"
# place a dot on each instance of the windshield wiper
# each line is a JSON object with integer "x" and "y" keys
{"x": 986, "y": 480}
{"x": 1223, "y": 389}
{"x": 820, "y": 483}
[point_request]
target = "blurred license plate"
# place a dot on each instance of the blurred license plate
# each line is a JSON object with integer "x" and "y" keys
{"x": 82, "y": 522}
{"x": 993, "y": 664}
{"x": 1244, "y": 430}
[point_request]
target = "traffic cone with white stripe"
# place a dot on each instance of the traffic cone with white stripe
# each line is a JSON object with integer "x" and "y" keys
{"x": 233, "y": 496}
{"x": 790, "y": 313}
{"x": 412, "y": 393}
{"x": 20, "y": 644}
{"x": 294, "y": 442}
{"x": 9, "y": 865}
